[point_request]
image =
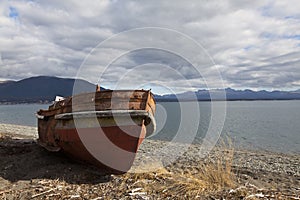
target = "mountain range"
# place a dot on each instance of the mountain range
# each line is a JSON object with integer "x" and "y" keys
{"x": 232, "y": 95}
{"x": 43, "y": 89}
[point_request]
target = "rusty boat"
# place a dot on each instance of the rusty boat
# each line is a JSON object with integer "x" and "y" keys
{"x": 102, "y": 128}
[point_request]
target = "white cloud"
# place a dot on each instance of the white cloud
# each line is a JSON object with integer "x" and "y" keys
{"x": 256, "y": 43}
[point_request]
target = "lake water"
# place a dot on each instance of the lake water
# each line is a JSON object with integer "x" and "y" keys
{"x": 260, "y": 125}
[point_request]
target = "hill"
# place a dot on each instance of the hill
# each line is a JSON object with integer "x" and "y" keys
{"x": 40, "y": 89}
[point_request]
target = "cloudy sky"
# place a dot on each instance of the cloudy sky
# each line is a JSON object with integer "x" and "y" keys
{"x": 191, "y": 45}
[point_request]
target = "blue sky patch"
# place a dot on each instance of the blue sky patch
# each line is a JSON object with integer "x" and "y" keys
{"x": 274, "y": 36}
{"x": 295, "y": 37}
{"x": 13, "y": 13}
{"x": 249, "y": 47}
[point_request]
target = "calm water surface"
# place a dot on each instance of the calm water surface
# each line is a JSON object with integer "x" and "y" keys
{"x": 261, "y": 125}
{"x": 20, "y": 114}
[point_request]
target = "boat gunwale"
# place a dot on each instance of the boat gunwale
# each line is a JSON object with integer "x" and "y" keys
{"x": 110, "y": 113}
{"x": 105, "y": 113}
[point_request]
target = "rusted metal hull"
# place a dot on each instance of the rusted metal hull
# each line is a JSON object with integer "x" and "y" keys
{"x": 107, "y": 138}
{"x": 72, "y": 145}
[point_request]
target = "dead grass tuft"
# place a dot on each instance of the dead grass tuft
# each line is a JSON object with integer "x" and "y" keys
{"x": 211, "y": 177}
{"x": 207, "y": 178}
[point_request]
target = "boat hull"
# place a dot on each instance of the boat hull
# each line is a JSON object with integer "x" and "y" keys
{"x": 113, "y": 156}
{"x": 104, "y": 137}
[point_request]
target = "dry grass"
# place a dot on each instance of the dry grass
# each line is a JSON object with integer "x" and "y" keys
{"x": 215, "y": 175}
{"x": 210, "y": 177}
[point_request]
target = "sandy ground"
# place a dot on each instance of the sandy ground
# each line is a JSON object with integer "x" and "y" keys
{"x": 27, "y": 171}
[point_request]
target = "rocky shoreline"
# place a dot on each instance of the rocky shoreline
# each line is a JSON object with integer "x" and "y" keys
{"x": 160, "y": 171}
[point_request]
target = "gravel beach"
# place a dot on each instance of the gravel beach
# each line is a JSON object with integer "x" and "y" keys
{"x": 27, "y": 171}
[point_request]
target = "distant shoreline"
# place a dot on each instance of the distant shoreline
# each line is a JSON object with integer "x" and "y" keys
{"x": 14, "y": 103}
{"x": 163, "y": 100}
{"x": 211, "y": 100}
